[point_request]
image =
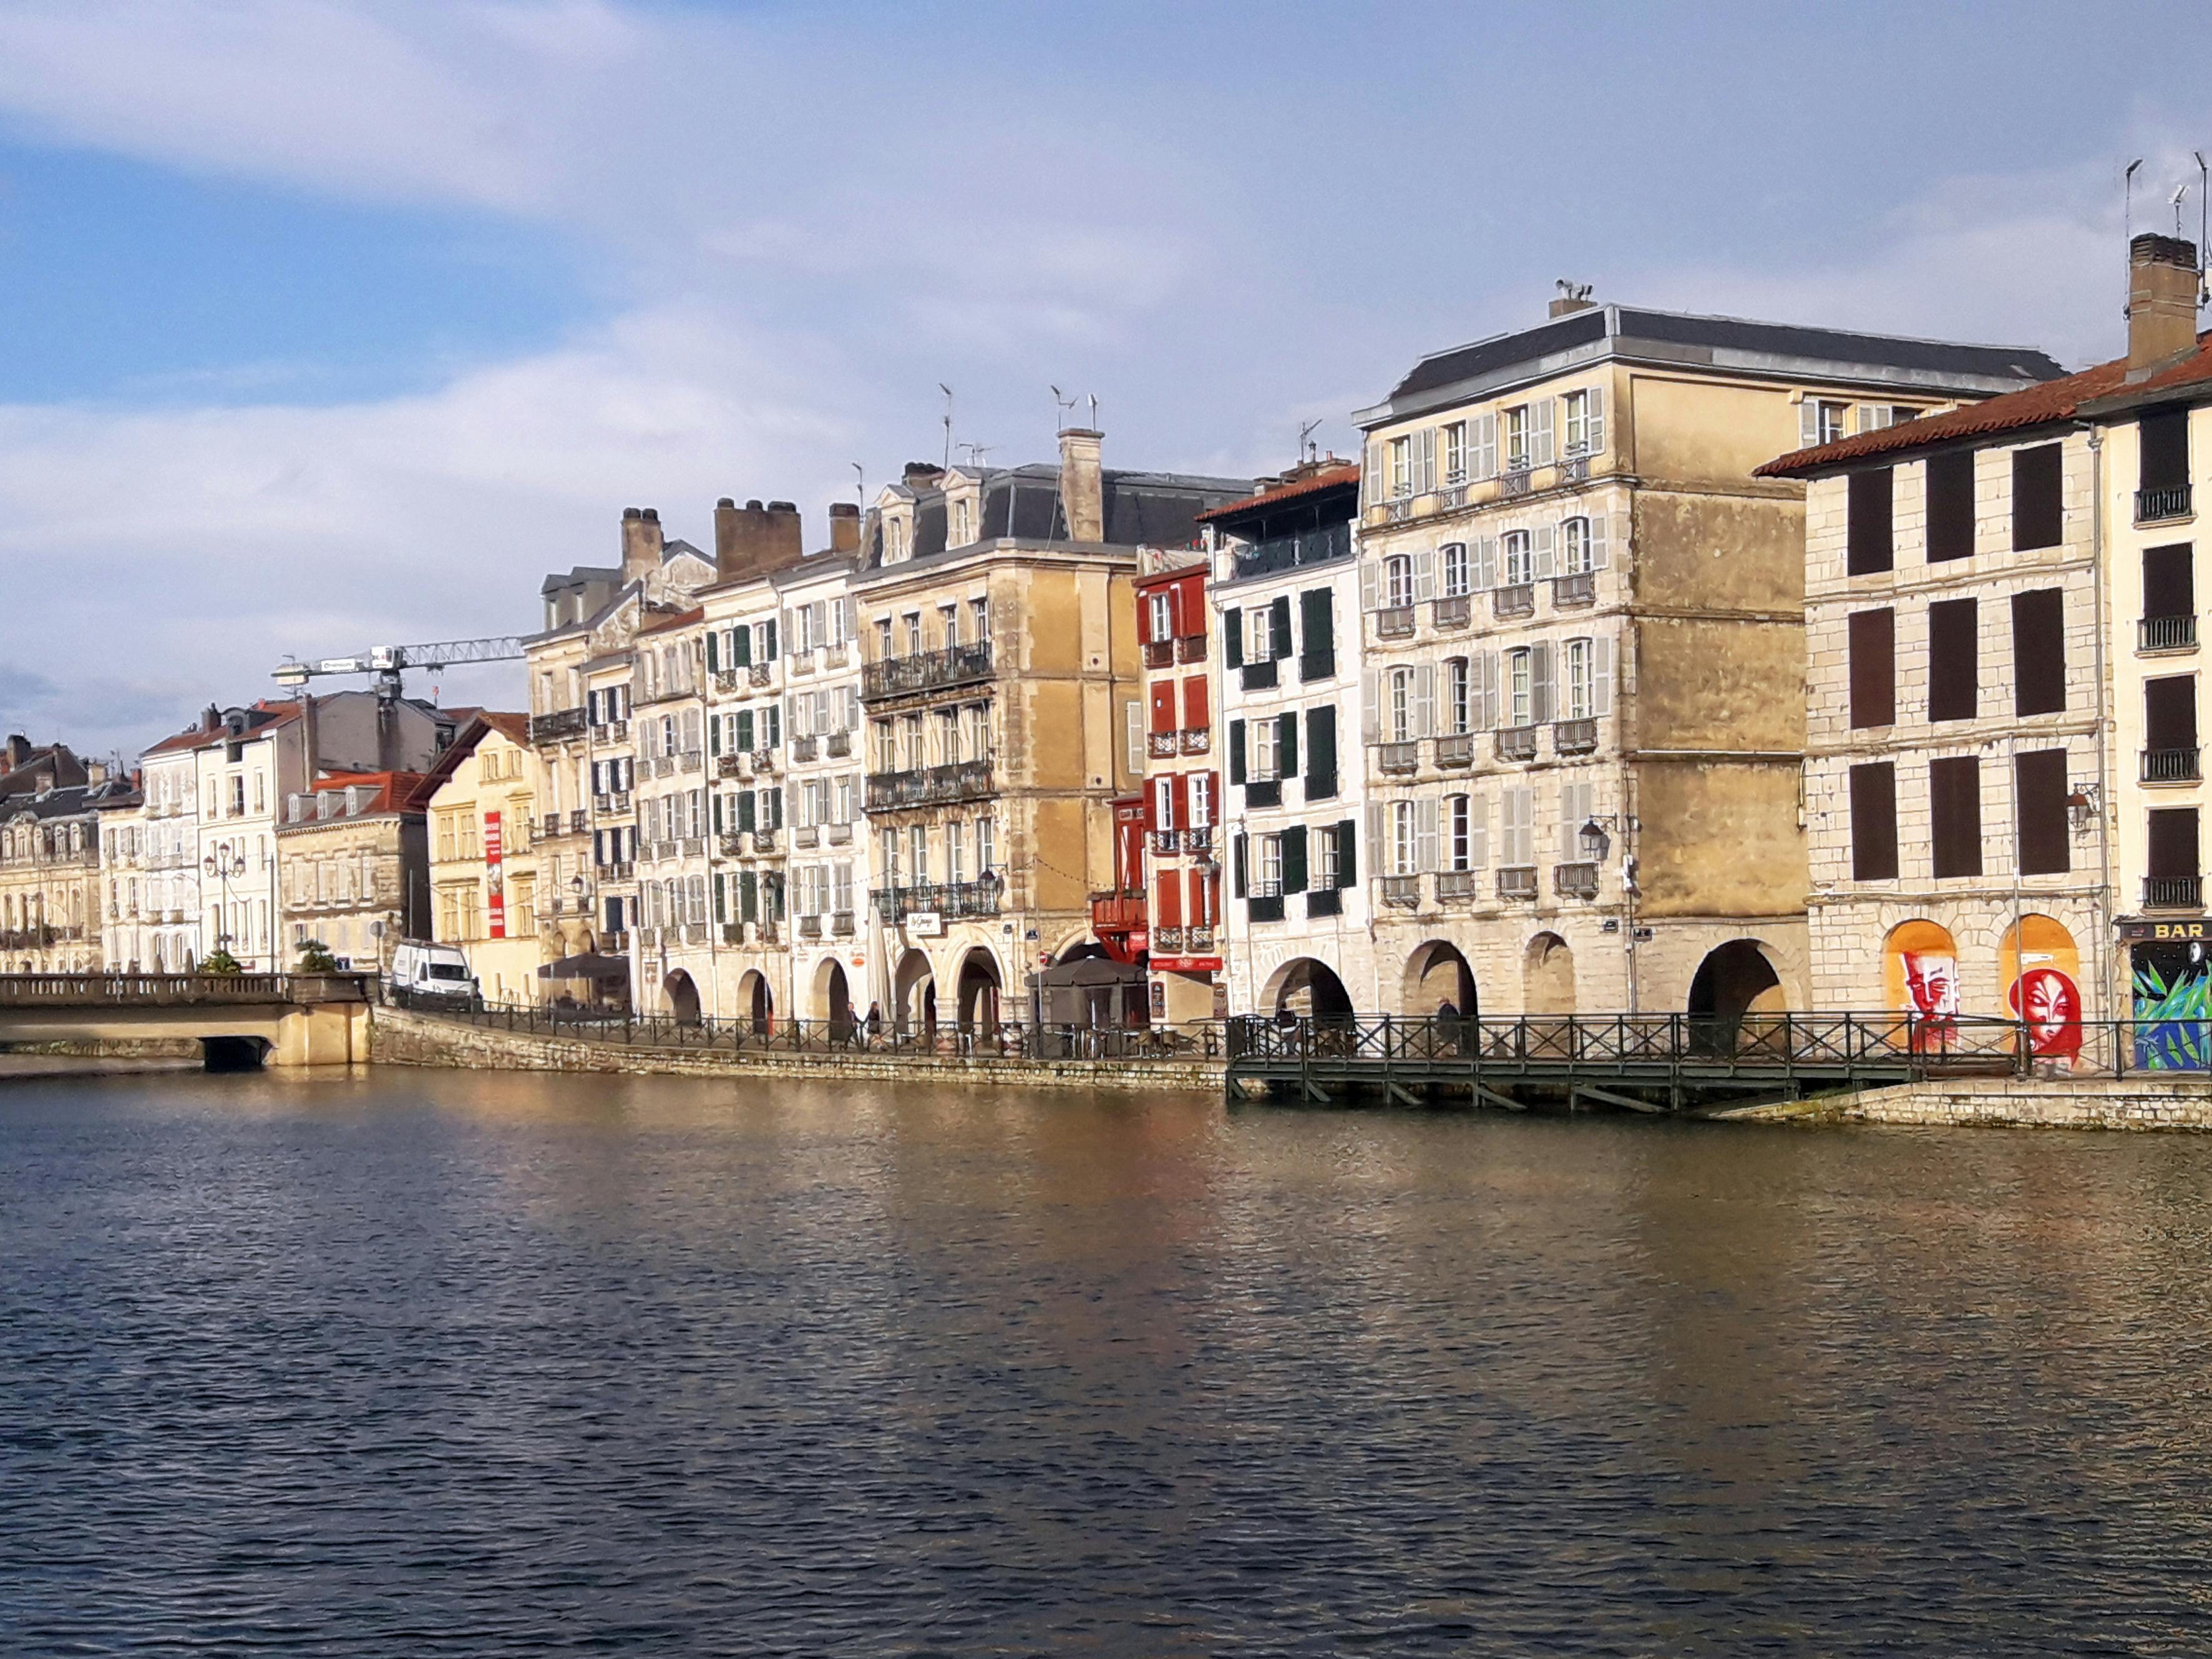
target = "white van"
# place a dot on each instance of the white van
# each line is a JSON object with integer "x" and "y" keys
{"x": 432, "y": 971}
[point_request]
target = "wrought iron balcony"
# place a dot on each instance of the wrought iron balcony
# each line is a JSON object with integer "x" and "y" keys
{"x": 810, "y": 927}
{"x": 1575, "y": 881}
{"x": 1290, "y": 552}
{"x": 1513, "y": 484}
{"x": 839, "y": 745}
{"x": 1194, "y": 740}
{"x": 733, "y": 933}
{"x": 1198, "y": 841}
{"x": 1160, "y": 746}
{"x": 725, "y": 765}
{"x": 1198, "y": 935}
{"x": 952, "y": 898}
{"x": 964, "y": 780}
{"x": 807, "y": 835}
{"x": 1516, "y": 881}
{"x": 1456, "y": 753}
{"x": 761, "y": 673}
{"x": 725, "y": 679}
{"x": 1266, "y": 903}
{"x": 1159, "y": 653}
{"x": 2169, "y": 766}
{"x": 1167, "y": 840}
{"x": 1574, "y": 469}
{"x": 690, "y": 761}
{"x": 926, "y": 671}
{"x": 2173, "y": 892}
{"x": 837, "y": 835}
{"x": 1455, "y": 886}
{"x": 2167, "y": 633}
{"x": 763, "y": 841}
{"x": 733, "y": 842}
{"x": 764, "y": 760}
{"x": 562, "y": 723}
{"x": 1570, "y": 591}
{"x": 2156, "y": 506}
{"x": 841, "y": 923}
{"x": 803, "y": 749}
{"x": 1403, "y": 891}
{"x": 1165, "y": 940}
{"x": 1190, "y": 648}
{"x": 1518, "y": 599}
{"x": 1573, "y": 736}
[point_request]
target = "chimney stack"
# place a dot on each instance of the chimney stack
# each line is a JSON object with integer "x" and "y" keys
{"x": 752, "y": 539}
{"x": 921, "y": 475}
{"x": 2162, "y": 285}
{"x": 641, "y": 542}
{"x": 1082, "y": 485}
{"x": 844, "y": 527}
{"x": 19, "y": 751}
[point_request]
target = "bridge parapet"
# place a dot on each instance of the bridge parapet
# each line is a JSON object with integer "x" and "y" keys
{"x": 126, "y": 990}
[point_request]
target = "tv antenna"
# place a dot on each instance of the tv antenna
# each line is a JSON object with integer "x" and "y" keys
{"x": 1063, "y": 410}
{"x": 947, "y": 390}
{"x": 976, "y": 452}
{"x": 2180, "y": 195}
{"x": 2127, "y": 223}
{"x": 1094, "y": 411}
{"x": 860, "y": 484}
{"x": 1307, "y": 449}
{"x": 2203, "y": 229}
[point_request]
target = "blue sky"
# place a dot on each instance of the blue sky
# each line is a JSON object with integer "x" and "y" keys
{"x": 327, "y": 323}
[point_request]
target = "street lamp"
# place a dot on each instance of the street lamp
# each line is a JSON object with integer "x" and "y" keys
{"x": 224, "y": 863}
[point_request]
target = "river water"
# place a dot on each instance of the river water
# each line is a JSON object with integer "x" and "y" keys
{"x": 418, "y": 1363}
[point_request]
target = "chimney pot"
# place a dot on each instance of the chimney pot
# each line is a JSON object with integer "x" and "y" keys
{"x": 921, "y": 475}
{"x": 651, "y": 513}
{"x": 1082, "y": 483}
{"x": 844, "y": 527}
{"x": 783, "y": 506}
{"x": 2163, "y": 280}
{"x": 726, "y": 500}
{"x": 631, "y": 512}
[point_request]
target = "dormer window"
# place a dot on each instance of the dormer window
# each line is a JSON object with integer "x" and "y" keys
{"x": 963, "y": 521}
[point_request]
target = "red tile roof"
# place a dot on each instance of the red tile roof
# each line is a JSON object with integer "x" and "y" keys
{"x": 2035, "y": 405}
{"x": 514, "y": 727}
{"x": 683, "y": 619}
{"x": 1328, "y": 478}
{"x": 393, "y": 788}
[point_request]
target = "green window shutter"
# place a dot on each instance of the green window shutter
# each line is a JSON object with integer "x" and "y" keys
{"x": 746, "y": 819}
{"x": 1237, "y": 847}
{"x": 1236, "y": 748}
{"x": 721, "y": 885}
{"x": 771, "y": 726}
{"x": 748, "y": 897}
{"x": 714, "y": 729}
{"x": 768, "y": 640}
{"x": 1294, "y": 859}
{"x": 1317, "y": 632}
{"x": 1287, "y": 746}
{"x": 745, "y": 718}
{"x": 717, "y": 798}
{"x": 1348, "y": 856}
{"x": 714, "y": 652}
{"x": 1320, "y": 753}
{"x": 1232, "y": 638}
{"x": 1278, "y": 626}
{"x": 742, "y": 640}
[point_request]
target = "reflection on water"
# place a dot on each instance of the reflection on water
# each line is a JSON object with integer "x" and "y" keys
{"x": 443, "y": 1364}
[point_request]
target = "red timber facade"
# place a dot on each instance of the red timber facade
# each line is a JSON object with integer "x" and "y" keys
{"x": 1182, "y": 783}
{"x": 1118, "y": 915}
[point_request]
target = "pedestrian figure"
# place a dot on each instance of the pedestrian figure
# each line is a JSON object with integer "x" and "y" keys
{"x": 1448, "y": 1025}
{"x": 875, "y": 1023}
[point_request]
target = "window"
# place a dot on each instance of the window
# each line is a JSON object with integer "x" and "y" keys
{"x": 2037, "y": 519}
{"x": 911, "y": 627}
{"x": 1518, "y": 828}
{"x": 1949, "y": 480}
{"x": 1586, "y": 665}
{"x": 1201, "y": 800}
{"x": 1401, "y": 706}
{"x": 986, "y": 844}
{"x": 1452, "y": 556}
{"x": 1401, "y": 451}
{"x": 883, "y": 638}
{"x": 1585, "y": 414}
{"x": 1459, "y": 698}
{"x": 963, "y": 511}
{"x": 917, "y": 862}
{"x": 1575, "y": 546}
{"x": 1517, "y": 438}
{"x": 1868, "y": 549}
{"x": 948, "y": 737}
{"x": 1159, "y": 617}
{"x": 1266, "y": 753}
{"x": 1520, "y": 683}
{"x": 948, "y": 626}
{"x": 2039, "y": 806}
{"x": 1459, "y": 833}
{"x": 2038, "y": 651}
{"x": 1954, "y": 659}
{"x": 1874, "y": 822}
{"x": 1270, "y": 872}
{"x": 1872, "y": 648}
{"x": 1405, "y": 857}
{"x": 1954, "y": 811}
{"x": 2162, "y": 451}
{"x": 956, "y": 852}
{"x": 979, "y": 619}
{"x": 2172, "y": 851}
{"x": 1520, "y": 557}
{"x": 2169, "y": 583}
{"x": 1398, "y": 581}
{"x": 1456, "y": 452}
{"x": 1819, "y": 420}
{"x": 2170, "y": 718}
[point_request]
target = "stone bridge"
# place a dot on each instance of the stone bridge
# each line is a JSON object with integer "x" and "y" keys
{"x": 239, "y": 1019}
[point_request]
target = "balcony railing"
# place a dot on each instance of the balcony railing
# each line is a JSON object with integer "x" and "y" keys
{"x": 725, "y": 679}
{"x": 926, "y": 671}
{"x": 1198, "y": 935}
{"x": 1190, "y": 648}
{"x": 1568, "y": 591}
{"x": 1574, "y": 469}
{"x": 1457, "y": 612}
{"x": 1519, "y": 600}
{"x": 1513, "y": 484}
{"x": 807, "y": 835}
{"x": 1403, "y": 891}
{"x": 1455, "y": 886}
{"x": 2153, "y": 506}
{"x": 841, "y": 923}
{"x": 839, "y": 745}
{"x": 803, "y": 749}
{"x": 763, "y": 841}
{"x": 2167, "y": 633}
{"x": 977, "y": 897}
{"x": 1159, "y": 653}
{"x": 764, "y": 760}
{"x": 725, "y": 765}
{"x": 1574, "y": 736}
{"x": 761, "y": 673}
{"x": 1575, "y": 881}
{"x": 562, "y": 723}
{"x": 2169, "y": 766}
{"x": 1195, "y": 741}
{"x": 2173, "y": 892}
{"x": 1198, "y": 841}
{"x": 1401, "y": 760}
{"x": 1516, "y": 881}
{"x": 963, "y": 780}
{"x": 1455, "y": 753}
{"x": 1165, "y": 941}
{"x": 810, "y": 927}
{"x": 1517, "y": 743}
{"x": 837, "y": 835}
{"x": 1117, "y": 913}
{"x": 1167, "y": 840}
{"x": 1290, "y": 552}
{"x": 1395, "y": 623}
{"x": 733, "y": 842}
{"x": 1266, "y": 903}
{"x": 1160, "y": 746}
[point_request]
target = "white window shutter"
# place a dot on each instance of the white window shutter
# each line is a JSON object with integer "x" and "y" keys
{"x": 1485, "y": 573}
{"x": 1377, "y": 848}
{"x": 1425, "y": 834}
{"x": 1424, "y": 478}
{"x": 1539, "y": 421}
{"x": 1601, "y": 676}
{"x": 1370, "y": 705}
{"x": 1541, "y": 702}
{"x": 1478, "y": 831}
{"x": 1370, "y": 584}
{"x": 1424, "y": 700}
{"x": 1133, "y": 722}
{"x": 1597, "y": 549}
{"x": 1486, "y": 716}
{"x": 1371, "y": 475}
{"x": 1595, "y": 405}
{"x": 1547, "y": 555}
{"x": 1808, "y": 423}
{"x": 1424, "y": 575}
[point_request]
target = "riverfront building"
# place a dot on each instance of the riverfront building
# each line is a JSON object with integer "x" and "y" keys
{"x": 1583, "y": 622}
{"x": 481, "y": 806}
{"x": 352, "y": 854}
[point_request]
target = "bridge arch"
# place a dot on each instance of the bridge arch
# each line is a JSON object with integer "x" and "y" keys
{"x": 1435, "y": 974}
{"x": 1307, "y": 987}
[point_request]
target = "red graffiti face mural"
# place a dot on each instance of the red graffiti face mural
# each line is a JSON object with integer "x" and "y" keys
{"x": 2051, "y": 1005}
{"x": 1931, "y": 984}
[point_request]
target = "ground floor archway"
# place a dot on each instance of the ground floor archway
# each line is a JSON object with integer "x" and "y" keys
{"x": 682, "y": 994}
{"x": 1306, "y": 988}
{"x": 1548, "y": 976}
{"x": 833, "y": 999}
{"x": 1439, "y": 981}
{"x": 2039, "y": 965}
{"x": 978, "y": 990}
{"x": 1736, "y": 981}
{"x": 756, "y": 1002}
{"x": 913, "y": 995}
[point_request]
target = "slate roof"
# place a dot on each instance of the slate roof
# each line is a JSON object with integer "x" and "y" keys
{"x": 1022, "y": 503}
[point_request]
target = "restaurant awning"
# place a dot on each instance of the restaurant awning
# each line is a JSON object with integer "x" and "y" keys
{"x": 591, "y": 965}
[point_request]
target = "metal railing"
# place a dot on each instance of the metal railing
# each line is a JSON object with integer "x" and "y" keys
{"x": 1580, "y": 588}
{"x": 977, "y": 897}
{"x": 2173, "y": 892}
{"x": 2169, "y": 765}
{"x": 2167, "y": 633}
{"x": 562, "y": 722}
{"x": 1395, "y": 623}
{"x": 1518, "y": 599}
{"x": 1291, "y": 552}
{"x": 924, "y": 671}
{"x": 1574, "y": 736}
{"x": 963, "y": 780}
{"x": 2154, "y": 505}
{"x": 1457, "y": 611}
{"x": 108, "y": 991}
{"x": 1190, "y": 648}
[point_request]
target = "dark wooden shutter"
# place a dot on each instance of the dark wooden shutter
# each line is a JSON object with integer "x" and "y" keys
{"x": 1232, "y": 638}
{"x": 2038, "y": 651}
{"x": 1294, "y": 859}
{"x": 1316, "y": 634}
{"x": 2162, "y": 441}
{"x": 1320, "y": 753}
{"x": 1874, "y": 667}
{"x": 2173, "y": 844}
{"x": 2169, "y": 580}
{"x": 1163, "y": 712}
{"x": 2038, "y": 515}
{"x": 2040, "y": 792}
{"x": 1237, "y": 863}
{"x": 741, "y": 654}
{"x": 1196, "y": 717}
{"x": 1954, "y": 811}
{"x": 1874, "y": 822}
{"x": 1286, "y": 746}
{"x": 714, "y": 651}
{"x": 1954, "y": 659}
{"x": 1278, "y": 626}
{"x": 1236, "y": 750}
{"x": 1348, "y": 856}
{"x": 2170, "y": 713}
{"x": 1950, "y": 479}
{"x": 1868, "y": 545}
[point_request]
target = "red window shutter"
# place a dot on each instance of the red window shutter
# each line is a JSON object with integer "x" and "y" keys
{"x": 1201, "y": 912}
{"x": 1144, "y": 617}
{"x": 1163, "y": 705}
{"x": 1167, "y": 907}
{"x": 1190, "y": 611}
{"x": 1182, "y": 800}
{"x": 1194, "y": 703}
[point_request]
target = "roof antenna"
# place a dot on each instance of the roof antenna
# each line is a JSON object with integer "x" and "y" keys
{"x": 1094, "y": 411}
{"x": 1306, "y": 449}
{"x": 1063, "y": 410}
{"x": 2203, "y": 231}
{"x": 2128, "y": 225}
{"x": 860, "y": 484}
{"x": 2181, "y": 194}
{"x": 947, "y": 390}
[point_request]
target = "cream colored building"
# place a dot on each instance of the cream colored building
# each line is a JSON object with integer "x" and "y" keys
{"x": 50, "y": 897}
{"x": 353, "y": 864}
{"x": 130, "y": 915}
{"x": 481, "y": 804}
{"x": 1583, "y": 634}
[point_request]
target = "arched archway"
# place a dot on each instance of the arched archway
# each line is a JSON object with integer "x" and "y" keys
{"x": 978, "y": 988}
{"x": 913, "y": 995}
{"x": 1548, "y": 976}
{"x": 683, "y": 995}
{"x": 1438, "y": 973}
{"x": 756, "y": 1002}
{"x": 1920, "y": 978}
{"x": 2039, "y": 965}
{"x": 1733, "y": 981}
{"x": 1307, "y": 989}
{"x": 833, "y": 999}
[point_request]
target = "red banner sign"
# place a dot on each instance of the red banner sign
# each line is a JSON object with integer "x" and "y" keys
{"x": 494, "y": 877}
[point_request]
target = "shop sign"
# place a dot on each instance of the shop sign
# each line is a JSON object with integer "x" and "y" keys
{"x": 925, "y": 924}
{"x": 2195, "y": 930}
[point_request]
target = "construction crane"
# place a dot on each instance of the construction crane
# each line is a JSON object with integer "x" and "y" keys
{"x": 386, "y": 661}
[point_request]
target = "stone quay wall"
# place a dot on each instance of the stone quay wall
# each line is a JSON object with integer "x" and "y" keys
{"x": 403, "y": 1037}
{"x": 2007, "y": 1103}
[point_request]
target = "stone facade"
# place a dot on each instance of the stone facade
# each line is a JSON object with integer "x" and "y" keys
{"x": 479, "y": 805}
{"x": 354, "y": 869}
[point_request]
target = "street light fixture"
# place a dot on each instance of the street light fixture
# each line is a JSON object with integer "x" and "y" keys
{"x": 223, "y": 864}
